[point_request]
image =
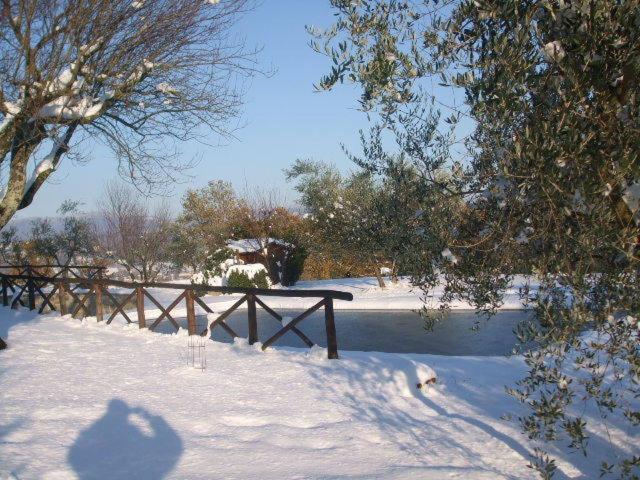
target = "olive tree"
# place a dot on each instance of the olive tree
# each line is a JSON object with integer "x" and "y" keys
{"x": 64, "y": 244}
{"x": 137, "y": 76}
{"x": 366, "y": 216}
{"x": 549, "y": 178}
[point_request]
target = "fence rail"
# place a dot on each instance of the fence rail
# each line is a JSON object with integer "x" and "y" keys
{"x": 47, "y": 270}
{"x": 71, "y": 296}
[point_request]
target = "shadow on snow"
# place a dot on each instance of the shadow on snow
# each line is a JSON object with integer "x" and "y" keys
{"x": 126, "y": 442}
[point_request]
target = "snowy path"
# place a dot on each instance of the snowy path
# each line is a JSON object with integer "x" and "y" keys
{"x": 82, "y": 400}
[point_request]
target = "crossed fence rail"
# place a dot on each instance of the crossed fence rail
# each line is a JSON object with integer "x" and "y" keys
{"x": 71, "y": 296}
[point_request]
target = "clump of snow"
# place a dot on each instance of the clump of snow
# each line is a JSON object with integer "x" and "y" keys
{"x": 43, "y": 166}
{"x": 166, "y": 88}
{"x": 523, "y": 236}
{"x": 227, "y": 267}
{"x": 13, "y": 108}
{"x": 249, "y": 269}
{"x": 554, "y": 51}
{"x": 448, "y": 255}
{"x": 253, "y": 245}
{"x": 73, "y": 107}
{"x": 631, "y": 197}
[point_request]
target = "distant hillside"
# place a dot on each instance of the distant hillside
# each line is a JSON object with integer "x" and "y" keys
{"x": 23, "y": 225}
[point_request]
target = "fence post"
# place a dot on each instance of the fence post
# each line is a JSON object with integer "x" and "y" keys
{"x": 99, "y": 307}
{"x": 62, "y": 298}
{"x": 191, "y": 312}
{"x": 253, "y": 319}
{"x": 5, "y": 293}
{"x": 330, "y": 326}
{"x": 140, "y": 307}
{"x": 31, "y": 293}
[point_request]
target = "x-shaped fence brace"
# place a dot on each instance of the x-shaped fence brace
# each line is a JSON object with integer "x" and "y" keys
{"x": 81, "y": 290}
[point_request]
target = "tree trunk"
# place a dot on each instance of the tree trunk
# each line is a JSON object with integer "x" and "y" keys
{"x": 25, "y": 141}
{"x": 394, "y": 272}
{"x": 381, "y": 283}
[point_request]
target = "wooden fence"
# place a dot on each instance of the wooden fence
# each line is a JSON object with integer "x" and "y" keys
{"x": 65, "y": 271}
{"x": 71, "y": 296}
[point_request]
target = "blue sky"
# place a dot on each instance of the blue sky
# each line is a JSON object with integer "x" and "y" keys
{"x": 283, "y": 118}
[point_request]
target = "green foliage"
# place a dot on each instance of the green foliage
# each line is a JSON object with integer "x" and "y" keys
{"x": 261, "y": 279}
{"x": 208, "y": 219}
{"x": 11, "y": 247}
{"x": 212, "y": 266}
{"x": 239, "y": 280}
{"x": 365, "y": 215}
{"x": 542, "y": 464}
{"x": 63, "y": 245}
{"x": 293, "y": 266}
{"x": 548, "y": 181}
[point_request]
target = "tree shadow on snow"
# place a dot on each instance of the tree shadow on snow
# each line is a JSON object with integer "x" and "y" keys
{"x": 10, "y": 318}
{"x": 416, "y": 434}
{"x": 127, "y": 442}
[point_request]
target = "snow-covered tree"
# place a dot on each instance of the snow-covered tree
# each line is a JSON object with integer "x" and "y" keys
{"x": 549, "y": 177}
{"x": 134, "y": 75}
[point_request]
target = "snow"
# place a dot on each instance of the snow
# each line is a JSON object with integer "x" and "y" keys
{"x": 166, "y": 88}
{"x": 71, "y": 108}
{"x": 447, "y": 255}
{"x": 251, "y": 245}
{"x": 13, "y": 108}
{"x": 249, "y": 269}
{"x": 87, "y": 400}
{"x": 227, "y": 267}
{"x": 554, "y": 51}
{"x": 43, "y": 166}
{"x": 367, "y": 295}
{"x": 631, "y": 197}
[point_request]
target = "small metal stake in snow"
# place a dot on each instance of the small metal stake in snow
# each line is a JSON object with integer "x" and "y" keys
{"x": 196, "y": 343}
{"x": 197, "y": 351}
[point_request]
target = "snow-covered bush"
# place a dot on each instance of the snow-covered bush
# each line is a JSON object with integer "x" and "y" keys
{"x": 239, "y": 280}
{"x": 251, "y": 275}
{"x": 222, "y": 269}
{"x": 215, "y": 268}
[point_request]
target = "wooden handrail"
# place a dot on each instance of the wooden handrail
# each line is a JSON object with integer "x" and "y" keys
{"x": 264, "y": 292}
{"x": 85, "y": 287}
{"x": 90, "y": 267}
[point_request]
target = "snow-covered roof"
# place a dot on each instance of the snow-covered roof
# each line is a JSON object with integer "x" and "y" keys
{"x": 251, "y": 245}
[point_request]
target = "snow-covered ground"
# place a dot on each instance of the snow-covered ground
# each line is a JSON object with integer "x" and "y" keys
{"x": 86, "y": 400}
{"x": 367, "y": 295}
